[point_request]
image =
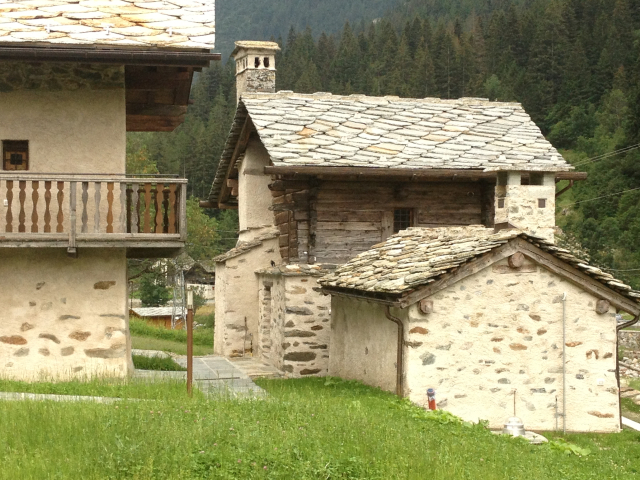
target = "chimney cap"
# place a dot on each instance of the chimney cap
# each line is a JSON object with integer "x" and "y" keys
{"x": 255, "y": 45}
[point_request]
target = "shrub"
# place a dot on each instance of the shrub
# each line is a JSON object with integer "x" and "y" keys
{"x": 165, "y": 364}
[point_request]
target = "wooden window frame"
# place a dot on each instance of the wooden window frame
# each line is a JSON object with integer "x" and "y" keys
{"x": 403, "y": 211}
{"x": 14, "y": 145}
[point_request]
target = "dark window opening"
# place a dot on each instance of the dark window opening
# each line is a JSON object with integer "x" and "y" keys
{"x": 542, "y": 202}
{"x": 256, "y": 62}
{"x": 501, "y": 203}
{"x": 266, "y": 62}
{"x": 402, "y": 219}
{"x": 15, "y": 155}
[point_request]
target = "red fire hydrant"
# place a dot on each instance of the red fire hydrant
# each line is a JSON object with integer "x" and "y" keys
{"x": 431, "y": 396}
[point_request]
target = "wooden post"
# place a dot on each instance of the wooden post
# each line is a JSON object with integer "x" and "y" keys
{"x": 190, "y": 342}
{"x": 71, "y": 250}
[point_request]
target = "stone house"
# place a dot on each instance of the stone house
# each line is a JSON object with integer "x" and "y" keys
{"x": 492, "y": 320}
{"x": 319, "y": 178}
{"x": 75, "y": 77}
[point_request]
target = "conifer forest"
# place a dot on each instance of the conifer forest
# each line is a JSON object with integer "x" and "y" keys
{"x": 573, "y": 64}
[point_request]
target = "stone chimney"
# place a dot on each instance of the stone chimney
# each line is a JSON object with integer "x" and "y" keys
{"x": 255, "y": 67}
{"x": 531, "y": 207}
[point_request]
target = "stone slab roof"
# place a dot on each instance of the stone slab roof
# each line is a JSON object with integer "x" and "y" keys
{"x": 299, "y": 270}
{"x": 243, "y": 247}
{"x": 176, "y": 24}
{"x": 419, "y": 256}
{"x": 391, "y": 132}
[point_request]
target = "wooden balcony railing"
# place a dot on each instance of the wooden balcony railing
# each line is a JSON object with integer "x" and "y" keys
{"x": 43, "y": 210}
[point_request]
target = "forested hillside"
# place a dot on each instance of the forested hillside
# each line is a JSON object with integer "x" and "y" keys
{"x": 574, "y": 64}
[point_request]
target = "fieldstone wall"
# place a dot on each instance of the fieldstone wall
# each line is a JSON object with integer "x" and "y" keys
{"x": 64, "y": 317}
{"x": 520, "y": 205}
{"x": 299, "y": 325}
{"x": 15, "y": 76}
{"x": 500, "y": 331}
{"x": 629, "y": 340}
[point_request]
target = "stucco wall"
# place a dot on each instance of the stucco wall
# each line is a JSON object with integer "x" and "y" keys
{"x": 237, "y": 299}
{"x": 363, "y": 343}
{"x": 63, "y": 317}
{"x": 253, "y": 191}
{"x": 499, "y": 331}
{"x": 72, "y": 115}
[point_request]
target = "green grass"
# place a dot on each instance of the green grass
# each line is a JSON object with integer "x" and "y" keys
{"x": 150, "y": 343}
{"x": 305, "y": 429}
{"x": 201, "y": 336}
{"x": 165, "y": 364}
{"x": 105, "y": 387}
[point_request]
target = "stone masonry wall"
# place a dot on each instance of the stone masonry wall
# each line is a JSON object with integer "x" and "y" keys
{"x": 237, "y": 303}
{"x": 522, "y": 209}
{"x": 63, "y": 317}
{"x": 307, "y": 327}
{"x": 498, "y": 331}
{"x": 299, "y": 324}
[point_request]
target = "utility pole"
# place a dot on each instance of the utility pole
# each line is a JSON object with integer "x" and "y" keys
{"x": 190, "y": 342}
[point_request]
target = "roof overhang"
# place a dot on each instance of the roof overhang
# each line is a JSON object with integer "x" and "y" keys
{"x": 157, "y": 82}
{"x": 547, "y": 260}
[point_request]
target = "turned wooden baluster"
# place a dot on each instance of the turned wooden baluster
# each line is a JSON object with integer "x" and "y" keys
{"x": 110, "y": 207}
{"x": 84, "y": 218}
{"x": 9, "y": 228}
{"x": 47, "y": 203}
{"x": 34, "y": 212}
{"x": 123, "y": 208}
{"x": 159, "y": 202}
{"x": 147, "y": 208}
{"x": 96, "y": 215}
{"x": 165, "y": 210}
{"x": 22, "y": 196}
{"x": 60, "y": 218}
{"x": 135, "y": 208}
{"x": 172, "y": 208}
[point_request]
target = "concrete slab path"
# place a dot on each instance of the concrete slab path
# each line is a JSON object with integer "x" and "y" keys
{"x": 213, "y": 375}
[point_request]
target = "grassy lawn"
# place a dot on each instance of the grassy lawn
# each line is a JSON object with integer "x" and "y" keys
{"x": 150, "y": 343}
{"x": 305, "y": 429}
{"x": 148, "y": 337}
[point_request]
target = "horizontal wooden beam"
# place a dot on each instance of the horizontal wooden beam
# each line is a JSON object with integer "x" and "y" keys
{"x": 112, "y": 55}
{"x": 411, "y": 173}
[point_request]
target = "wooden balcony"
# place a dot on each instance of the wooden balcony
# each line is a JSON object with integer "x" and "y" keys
{"x": 147, "y": 216}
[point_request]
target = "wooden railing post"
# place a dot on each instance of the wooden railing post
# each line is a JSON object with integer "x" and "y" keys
{"x": 9, "y": 228}
{"x": 183, "y": 212}
{"x": 71, "y": 250}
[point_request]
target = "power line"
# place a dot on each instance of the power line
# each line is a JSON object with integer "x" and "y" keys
{"x": 603, "y": 196}
{"x": 608, "y": 154}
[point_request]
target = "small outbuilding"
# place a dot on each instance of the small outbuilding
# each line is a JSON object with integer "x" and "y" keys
{"x": 492, "y": 320}
{"x": 162, "y": 317}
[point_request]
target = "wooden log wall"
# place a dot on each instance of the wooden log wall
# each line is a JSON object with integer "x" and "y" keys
{"x": 333, "y": 221}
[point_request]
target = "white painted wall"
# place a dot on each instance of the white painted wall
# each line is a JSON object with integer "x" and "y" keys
{"x": 254, "y": 196}
{"x": 363, "y": 343}
{"x": 81, "y": 131}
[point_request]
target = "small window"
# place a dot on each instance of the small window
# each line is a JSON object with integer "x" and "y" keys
{"x": 402, "y": 219}
{"x": 542, "y": 202}
{"x": 15, "y": 155}
{"x": 256, "y": 62}
{"x": 501, "y": 203}
{"x": 266, "y": 62}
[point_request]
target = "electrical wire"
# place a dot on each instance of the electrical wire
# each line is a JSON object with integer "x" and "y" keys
{"x": 603, "y": 196}
{"x": 607, "y": 155}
